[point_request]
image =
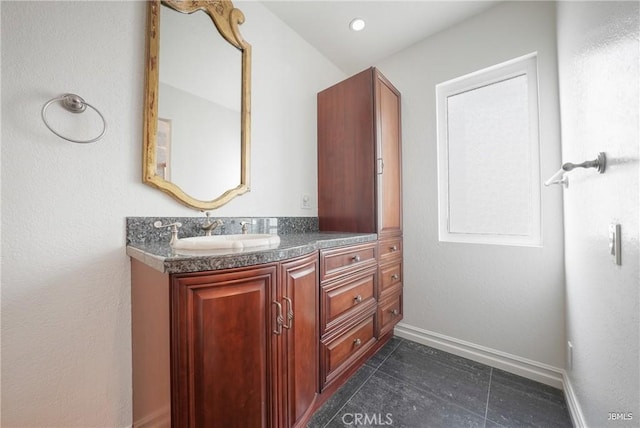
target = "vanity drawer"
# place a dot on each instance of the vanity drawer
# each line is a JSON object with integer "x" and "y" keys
{"x": 389, "y": 313}
{"x": 390, "y": 248}
{"x": 345, "y": 298}
{"x": 338, "y": 354}
{"x": 390, "y": 278}
{"x": 340, "y": 261}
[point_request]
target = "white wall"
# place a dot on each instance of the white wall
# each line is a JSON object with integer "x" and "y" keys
{"x": 205, "y": 131}
{"x": 66, "y": 344}
{"x": 485, "y": 297}
{"x": 599, "y": 62}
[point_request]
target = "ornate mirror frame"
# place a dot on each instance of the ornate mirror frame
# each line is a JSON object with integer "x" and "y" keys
{"x": 226, "y": 19}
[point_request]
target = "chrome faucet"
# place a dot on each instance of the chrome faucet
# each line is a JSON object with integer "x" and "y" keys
{"x": 174, "y": 229}
{"x": 210, "y": 226}
{"x": 245, "y": 227}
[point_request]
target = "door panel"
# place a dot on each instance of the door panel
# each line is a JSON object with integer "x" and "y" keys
{"x": 300, "y": 285}
{"x": 222, "y": 349}
{"x": 390, "y": 179}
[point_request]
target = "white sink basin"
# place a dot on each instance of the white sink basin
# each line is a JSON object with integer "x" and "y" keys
{"x": 222, "y": 242}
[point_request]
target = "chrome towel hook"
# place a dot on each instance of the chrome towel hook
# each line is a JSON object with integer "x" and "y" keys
{"x": 74, "y": 104}
{"x": 560, "y": 177}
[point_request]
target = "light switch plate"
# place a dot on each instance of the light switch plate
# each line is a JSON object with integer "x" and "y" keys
{"x": 305, "y": 202}
{"x": 615, "y": 247}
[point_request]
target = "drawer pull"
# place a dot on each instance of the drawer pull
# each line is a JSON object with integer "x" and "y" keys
{"x": 356, "y": 258}
{"x": 358, "y": 299}
{"x": 289, "y": 312}
{"x": 279, "y": 318}
{"x": 395, "y": 276}
{"x": 394, "y": 312}
{"x": 357, "y": 342}
{"x": 393, "y": 248}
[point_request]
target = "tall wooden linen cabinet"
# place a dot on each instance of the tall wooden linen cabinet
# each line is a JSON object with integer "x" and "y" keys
{"x": 360, "y": 176}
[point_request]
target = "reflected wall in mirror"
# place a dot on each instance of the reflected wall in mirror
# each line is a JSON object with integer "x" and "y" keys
{"x": 197, "y": 115}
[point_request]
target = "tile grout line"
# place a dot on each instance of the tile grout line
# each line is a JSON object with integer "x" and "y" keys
{"x": 360, "y": 387}
{"x": 486, "y": 410}
{"x": 434, "y": 395}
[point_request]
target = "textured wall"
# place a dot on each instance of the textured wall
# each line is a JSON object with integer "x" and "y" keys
{"x": 510, "y": 299}
{"x": 598, "y": 52}
{"x": 66, "y": 342}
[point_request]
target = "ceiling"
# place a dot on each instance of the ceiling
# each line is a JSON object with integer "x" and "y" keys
{"x": 390, "y": 25}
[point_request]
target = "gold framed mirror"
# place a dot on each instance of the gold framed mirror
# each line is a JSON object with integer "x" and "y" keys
{"x": 197, "y": 116}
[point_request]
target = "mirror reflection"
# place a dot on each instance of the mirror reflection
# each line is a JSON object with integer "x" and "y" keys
{"x": 197, "y": 115}
{"x": 198, "y": 146}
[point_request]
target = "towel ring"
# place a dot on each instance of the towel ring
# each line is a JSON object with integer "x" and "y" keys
{"x": 74, "y": 104}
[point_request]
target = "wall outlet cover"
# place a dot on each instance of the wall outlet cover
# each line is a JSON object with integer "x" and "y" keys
{"x": 305, "y": 202}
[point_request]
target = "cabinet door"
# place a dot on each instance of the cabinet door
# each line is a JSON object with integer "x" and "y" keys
{"x": 347, "y": 156}
{"x": 388, "y": 147}
{"x": 389, "y": 313}
{"x": 221, "y": 329}
{"x": 299, "y": 293}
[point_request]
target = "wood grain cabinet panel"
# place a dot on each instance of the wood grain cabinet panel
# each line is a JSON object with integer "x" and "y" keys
{"x": 221, "y": 348}
{"x": 389, "y": 313}
{"x": 342, "y": 261}
{"x": 360, "y": 156}
{"x": 389, "y": 176}
{"x": 299, "y": 289}
{"x": 243, "y": 346}
{"x": 390, "y": 248}
{"x": 345, "y": 298}
{"x": 360, "y": 169}
{"x": 338, "y": 353}
{"x": 390, "y": 279}
{"x": 348, "y": 291}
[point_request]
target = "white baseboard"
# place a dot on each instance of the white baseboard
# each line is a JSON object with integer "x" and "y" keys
{"x": 534, "y": 370}
{"x": 577, "y": 417}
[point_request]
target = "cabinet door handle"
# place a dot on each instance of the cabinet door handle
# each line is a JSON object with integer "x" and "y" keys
{"x": 395, "y": 276}
{"x": 357, "y": 342}
{"x": 289, "y": 312}
{"x": 358, "y": 298}
{"x": 393, "y": 248}
{"x": 356, "y": 258}
{"x": 279, "y": 318}
{"x": 394, "y": 312}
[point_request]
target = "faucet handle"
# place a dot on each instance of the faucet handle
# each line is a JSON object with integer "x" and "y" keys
{"x": 174, "y": 229}
{"x": 174, "y": 226}
{"x": 209, "y": 225}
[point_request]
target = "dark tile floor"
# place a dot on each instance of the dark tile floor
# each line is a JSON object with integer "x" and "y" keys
{"x": 410, "y": 385}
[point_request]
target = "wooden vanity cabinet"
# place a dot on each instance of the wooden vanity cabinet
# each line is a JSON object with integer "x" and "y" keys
{"x": 359, "y": 156}
{"x": 230, "y": 348}
{"x": 360, "y": 176}
{"x": 348, "y": 277}
{"x": 222, "y": 348}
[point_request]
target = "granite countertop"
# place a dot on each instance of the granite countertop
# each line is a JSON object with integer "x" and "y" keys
{"x": 160, "y": 256}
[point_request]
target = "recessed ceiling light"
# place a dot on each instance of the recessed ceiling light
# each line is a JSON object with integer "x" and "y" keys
{"x": 357, "y": 24}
